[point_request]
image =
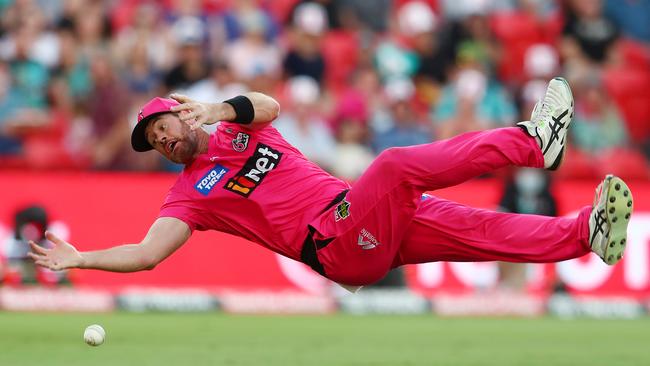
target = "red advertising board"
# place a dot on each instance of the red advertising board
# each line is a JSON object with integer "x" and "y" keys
{"x": 99, "y": 210}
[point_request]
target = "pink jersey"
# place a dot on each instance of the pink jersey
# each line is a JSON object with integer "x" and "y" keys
{"x": 255, "y": 185}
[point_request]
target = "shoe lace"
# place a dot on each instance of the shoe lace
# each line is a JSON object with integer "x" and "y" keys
{"x": 597, "y": 195}
{"x": 545, "y": 112}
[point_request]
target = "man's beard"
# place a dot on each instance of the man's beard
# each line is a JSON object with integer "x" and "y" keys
{"x": 185, "y": 149}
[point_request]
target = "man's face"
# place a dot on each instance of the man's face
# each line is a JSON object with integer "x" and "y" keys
{"x": 172, "y": 138}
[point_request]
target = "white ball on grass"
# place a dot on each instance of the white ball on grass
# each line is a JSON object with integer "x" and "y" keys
{"x": 94, "y": 335}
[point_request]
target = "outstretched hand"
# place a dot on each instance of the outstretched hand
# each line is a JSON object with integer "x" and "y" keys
{"x": 61, "y": 256}
{"x": 194, "y": 113}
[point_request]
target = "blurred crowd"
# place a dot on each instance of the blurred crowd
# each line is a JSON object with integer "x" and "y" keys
{"x": 353, "y": 77}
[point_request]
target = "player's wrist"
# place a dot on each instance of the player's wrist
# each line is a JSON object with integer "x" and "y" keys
{"x": 223, "y": 111}
{"x": 81, "y": 262}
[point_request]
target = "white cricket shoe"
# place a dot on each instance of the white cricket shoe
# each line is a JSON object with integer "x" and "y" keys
{"x": 609, "y": 218}
{"x": 550, "y": 121}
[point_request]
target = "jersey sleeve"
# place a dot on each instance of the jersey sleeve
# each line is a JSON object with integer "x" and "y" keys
{"x": 177, "y": 207}
{"x": 251, "y": 131}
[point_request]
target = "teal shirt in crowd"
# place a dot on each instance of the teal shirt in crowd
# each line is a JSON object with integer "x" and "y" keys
{"x": 495, "y": 106}
{"x": 601, "y": 132}
{"x": 30, "y": 80}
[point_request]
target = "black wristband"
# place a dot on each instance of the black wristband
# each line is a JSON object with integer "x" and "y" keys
{"x": 244, "y": 112}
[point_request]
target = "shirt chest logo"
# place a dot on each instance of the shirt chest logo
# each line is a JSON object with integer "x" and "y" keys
{"x": 254, "y": 170}
{"x": 240, "y": 143}
{"x": 210, "y": 179}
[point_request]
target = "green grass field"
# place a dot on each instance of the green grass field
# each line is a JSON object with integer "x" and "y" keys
{"x": 218, "y": 339}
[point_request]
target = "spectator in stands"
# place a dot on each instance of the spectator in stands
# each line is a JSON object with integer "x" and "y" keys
{"x": 363, "y": 15}
{"x": 352, "y": 155}
{"x": 140, "y": 76}
{"x": 147, "y": 36}
{"x": 418, "y": 23}
{"x": 461, "y": 9}
{"x": 252, "y": 59}
{"x": 28, "y": 22}
{"x": 588, "y": 34}
{"x": 92, "y": 28}
{"x": 303, "y": 125}
{"x": 528, "y": 191}
{"x": 398, "y": 55}
{"x": 24, "y": 77}
{"x": 395, "y": 61}
{"x": 30, "y": 77}
{"x": 73, "y": 64}
{"x": 631, "y": 16}
{"x": 600, "y": 135}
{"x": 304, "y": 56}
{"x": 542, "y": 9}
{"x": 338, "y": 12}
{"x": 219, "y": 85}
{"x": 10, "y": 104}
{"x": 598, "y": 125}
{"x": 233, "y": 17}
{"x": 403, "y": 126}
{"x": 191, "y": 65}
{"x": 110, "y": 124}
{"x": 365, "y": 85}
{"x": 44, "y": 133}
{"x": 541, "y": 62}
{"x": 470, "y": 33}
{"x": 184, "y": 8}
{"x": 472, "y": 102}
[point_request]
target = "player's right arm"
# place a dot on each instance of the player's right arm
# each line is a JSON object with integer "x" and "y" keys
{"x": 165, "y": 236}
{"x": 265, "y": 110}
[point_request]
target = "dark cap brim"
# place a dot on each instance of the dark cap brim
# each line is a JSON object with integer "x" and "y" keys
{"x": 139, "y": 142}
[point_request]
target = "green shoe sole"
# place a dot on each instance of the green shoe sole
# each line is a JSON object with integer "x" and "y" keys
{"x": 618, "y": 212}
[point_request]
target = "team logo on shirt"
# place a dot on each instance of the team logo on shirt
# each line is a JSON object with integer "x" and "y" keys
{"x": 240, "y": 143}
{"x": 255, "y": 169}
{"x": 210, "y": 179}
{"x": 342, "y": 210}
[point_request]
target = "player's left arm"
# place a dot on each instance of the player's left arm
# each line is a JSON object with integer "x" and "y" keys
{"x": 252, "y": 110}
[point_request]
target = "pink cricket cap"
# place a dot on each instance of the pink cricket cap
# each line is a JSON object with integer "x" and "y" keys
{"x": 153, "y": 108}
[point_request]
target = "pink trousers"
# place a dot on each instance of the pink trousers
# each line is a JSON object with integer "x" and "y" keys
{"x": 384, "y": 222}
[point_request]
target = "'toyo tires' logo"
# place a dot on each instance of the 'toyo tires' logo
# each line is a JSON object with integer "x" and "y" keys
{"x": 212, "y": 177}
{"x": 252, "y": 174}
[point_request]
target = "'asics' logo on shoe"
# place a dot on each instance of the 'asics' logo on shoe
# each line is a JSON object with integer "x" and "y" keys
{"x": 366, "y": 240}
{"x": 600, "y": 220}
{"x": 555, "y": 129}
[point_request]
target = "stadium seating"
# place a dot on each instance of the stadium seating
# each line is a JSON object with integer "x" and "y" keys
{"x": 630, "y": 89}
{"x": 517, "y": 31}
{"x": 341, "y": 53}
